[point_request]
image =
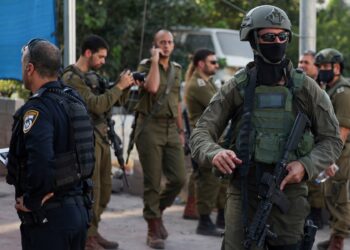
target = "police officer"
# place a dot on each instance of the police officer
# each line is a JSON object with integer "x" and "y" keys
{"x": 199, "y": 89}
{"x": 336, "y": 190}
{"x": 159, "y": 135}
{"x": 43, "y": 166}
{"x": 263, "y": 99}
{"x": 99, "y": 101}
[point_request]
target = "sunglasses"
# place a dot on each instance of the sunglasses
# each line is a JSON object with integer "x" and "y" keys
{"x": 271, "y": 37}
{"x": 30, "y": 45}
{"x": 213, "y": 62}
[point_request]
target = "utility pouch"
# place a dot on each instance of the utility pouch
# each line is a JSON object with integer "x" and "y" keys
{"x": 66, "y": 171}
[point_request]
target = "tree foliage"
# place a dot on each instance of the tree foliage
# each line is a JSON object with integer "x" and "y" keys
{"x": 120, "y": 23}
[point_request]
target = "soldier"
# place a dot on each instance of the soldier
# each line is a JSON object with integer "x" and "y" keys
{"x": 44, "y": 165}
{"x": 330, "y": 63}
{"x": 159, "y": 135}
{"x": 307, "y": 64}
{"x": 199, "y": 89}
{"x": 262, "y": 100}
{"x": 315, "y": 197}
{"x": 99, "y": 101}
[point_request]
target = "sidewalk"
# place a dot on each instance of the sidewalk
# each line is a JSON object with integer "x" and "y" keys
{"x": 123, "y": 222}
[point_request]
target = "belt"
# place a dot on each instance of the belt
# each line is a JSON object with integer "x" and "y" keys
{"x": 157, "y": 119}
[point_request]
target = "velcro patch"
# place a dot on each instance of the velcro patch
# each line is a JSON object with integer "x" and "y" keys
{"x": 201, "y": 82}
{"x": 340, "y": 90}
{"x": 29, "y": 119}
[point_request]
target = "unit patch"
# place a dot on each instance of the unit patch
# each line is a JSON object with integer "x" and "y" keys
{"x": 340, "y": 90}
{"x": 29, "y": 119}
{"x": 201, "y": 82}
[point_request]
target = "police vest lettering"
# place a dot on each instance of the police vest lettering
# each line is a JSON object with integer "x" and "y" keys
{"x": 272, "y": 120}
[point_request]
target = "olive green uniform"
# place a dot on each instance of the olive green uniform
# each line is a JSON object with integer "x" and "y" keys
{"x": 337, "y": 187}
{"x": 198, "y": 93}
{"x": 98, "y": 106}
{"x": 289, "y": 227}
{"x": 158, "y": 143}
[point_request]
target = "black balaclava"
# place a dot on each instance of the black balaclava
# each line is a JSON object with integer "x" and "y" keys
{"x": 270, "y": 60}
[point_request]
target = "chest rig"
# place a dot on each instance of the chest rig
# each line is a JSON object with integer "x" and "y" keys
{"x": 272, "y": 113}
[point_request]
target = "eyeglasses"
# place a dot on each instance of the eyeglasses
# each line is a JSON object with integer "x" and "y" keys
{"x": 213, "y": 62}
{"x": 30, "y": 45}
{"x": 271, "y": 37}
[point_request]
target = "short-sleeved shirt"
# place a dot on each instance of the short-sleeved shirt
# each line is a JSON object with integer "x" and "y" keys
{"x": 198, "y": 93}
{"x": 147, "y": 100}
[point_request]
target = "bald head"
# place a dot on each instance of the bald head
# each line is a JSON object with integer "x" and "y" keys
{"x": 160, "y": 33}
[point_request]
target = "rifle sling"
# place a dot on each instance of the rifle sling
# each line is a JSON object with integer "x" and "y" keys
{"x": 244, "y": 147}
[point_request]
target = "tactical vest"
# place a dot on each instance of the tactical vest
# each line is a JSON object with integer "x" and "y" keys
{"x": 69, "y": 167}
{"x": 98, "y": 86}
{"x": 273, "y": 116}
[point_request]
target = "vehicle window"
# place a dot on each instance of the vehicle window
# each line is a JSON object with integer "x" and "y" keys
{"x": 227, "y": 40}
{"x": 194, "y": 42}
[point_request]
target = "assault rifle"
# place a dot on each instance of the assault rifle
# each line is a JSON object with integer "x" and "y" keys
{"x": 117, "y": 145}
{"x": 270, "y": 193}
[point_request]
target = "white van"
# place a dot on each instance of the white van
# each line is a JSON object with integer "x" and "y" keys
{"x": 224, "y": 42}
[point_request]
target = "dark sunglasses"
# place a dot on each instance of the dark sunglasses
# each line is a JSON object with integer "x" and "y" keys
{"x": 213, "y": 62}
{"x": 31, "y": 45}
{"x": 271, "y": 37}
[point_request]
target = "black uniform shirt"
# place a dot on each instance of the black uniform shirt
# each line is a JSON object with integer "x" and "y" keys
{"x": 45, "y": 133}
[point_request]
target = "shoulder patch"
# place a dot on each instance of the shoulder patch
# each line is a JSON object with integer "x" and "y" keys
{"x": 145, "y": 61}
{"x": 340, "y": 90}
{"x": 201, "y": 82}
{"x": 29, "y": 119}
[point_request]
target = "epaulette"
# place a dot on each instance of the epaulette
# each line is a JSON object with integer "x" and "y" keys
{"x": 145, "y": 61}
{"x": 241, "y": 78}
{"x": 177, "y": 65}
{"x": 298, "y": 77}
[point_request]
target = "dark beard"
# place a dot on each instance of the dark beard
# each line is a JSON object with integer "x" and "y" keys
{"x": 269, "y": 74}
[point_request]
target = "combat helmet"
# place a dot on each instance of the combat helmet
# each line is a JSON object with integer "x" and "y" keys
{"x": 329, "y": 55}
{"x": 264, "y": 16}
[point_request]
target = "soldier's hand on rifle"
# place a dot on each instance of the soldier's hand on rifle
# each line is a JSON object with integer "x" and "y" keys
{"x": 226, "y": 161}
{"x": 296, "y": 172}
{"x": 126, "y": 80}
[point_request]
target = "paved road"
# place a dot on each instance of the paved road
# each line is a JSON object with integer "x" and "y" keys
{"x": 123, "y": 222}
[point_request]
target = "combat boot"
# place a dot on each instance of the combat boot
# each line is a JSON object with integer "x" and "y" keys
{"x": 163, "y": 232}
{"x": 207, "y": 227}
{"x": 190, "y": 212}
{"x": 106, "y": 243}
{"x": 220, "y": 219}
{"x": 92, "y": 244}
{"x": 154, "y": 239}
{"x": 336, "y": 243}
